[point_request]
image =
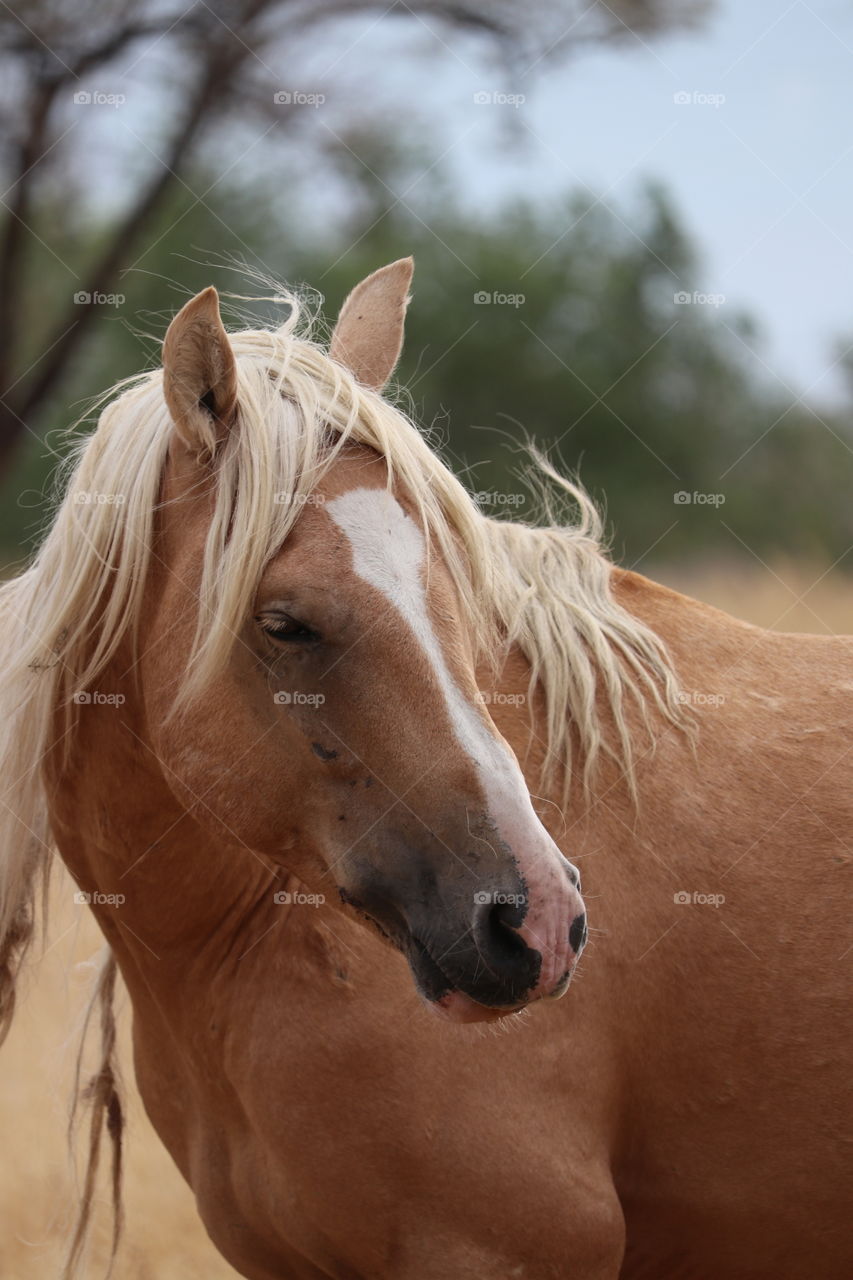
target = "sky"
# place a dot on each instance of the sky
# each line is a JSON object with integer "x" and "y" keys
{"x": 758, "y": 158}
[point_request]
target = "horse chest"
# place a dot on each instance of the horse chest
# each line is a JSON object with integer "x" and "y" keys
{"x": 337, "y": 1130}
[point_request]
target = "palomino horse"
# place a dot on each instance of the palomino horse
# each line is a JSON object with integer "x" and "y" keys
{"x": 270, "y": 687}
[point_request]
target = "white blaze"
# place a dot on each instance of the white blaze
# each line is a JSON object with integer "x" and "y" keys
{"x": 389, "y": 552}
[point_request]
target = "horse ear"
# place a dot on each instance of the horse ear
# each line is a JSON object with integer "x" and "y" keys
{"x": 369, "y": 333}
{"x": 200, "y": 375}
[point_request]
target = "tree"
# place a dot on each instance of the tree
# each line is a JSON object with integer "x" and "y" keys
{"x": 223, "y": 61}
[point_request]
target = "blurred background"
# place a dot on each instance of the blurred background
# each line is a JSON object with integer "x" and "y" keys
{"x": 631, "y": 225}
{"x": 630, "y": 222}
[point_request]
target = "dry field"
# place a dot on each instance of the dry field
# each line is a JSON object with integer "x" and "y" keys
{"x": 164, "y": 1239}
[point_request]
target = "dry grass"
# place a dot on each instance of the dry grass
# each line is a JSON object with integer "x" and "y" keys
{"x": 164, "y": 1239}
{"x": 786, "y": 597}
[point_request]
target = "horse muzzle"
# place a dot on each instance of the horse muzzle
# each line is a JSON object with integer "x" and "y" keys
{"x": 490, "y": 952}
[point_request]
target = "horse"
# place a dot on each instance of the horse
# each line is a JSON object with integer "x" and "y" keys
{"x": 323, "y": 746}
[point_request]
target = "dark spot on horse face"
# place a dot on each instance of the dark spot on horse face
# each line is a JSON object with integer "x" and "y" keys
{"x": 323, "y": 752}
{"x": 368, "y": 782}
{"x": 342, "y": 817}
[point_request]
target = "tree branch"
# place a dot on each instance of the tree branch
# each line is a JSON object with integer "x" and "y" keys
{"x": 29, "y": 153}
{"x": 77, "y": 319}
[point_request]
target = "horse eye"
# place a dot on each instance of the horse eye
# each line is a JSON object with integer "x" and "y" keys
{"x": 287, "y": 630}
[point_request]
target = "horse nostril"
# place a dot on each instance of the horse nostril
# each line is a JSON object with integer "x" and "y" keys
{"x": 498, "y": 927}
{"x": 578, "y": 933}
{"x": 574, "y": 876}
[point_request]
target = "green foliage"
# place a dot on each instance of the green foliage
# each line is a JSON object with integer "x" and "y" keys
{"x": 644, "y": 396}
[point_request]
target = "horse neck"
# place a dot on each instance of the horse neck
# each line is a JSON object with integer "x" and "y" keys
{"x": 164, "y": 890}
